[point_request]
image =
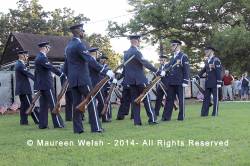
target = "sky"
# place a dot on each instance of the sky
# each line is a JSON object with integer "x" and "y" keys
{"x": 99, "y": 12}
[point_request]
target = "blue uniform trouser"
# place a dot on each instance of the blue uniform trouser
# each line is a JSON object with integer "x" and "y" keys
{"x": 136, "y": 90}
{"x": 47, "y": 101}
{"x": 172, "y": 91}
{"x": 159, "y": 98}
{"x": 207, "y": 99}
{"x": 78, "y": 94}
{"x": 68, "y": 106}
{"x": 125, "y": 103}
{"x": 25, "y": 100}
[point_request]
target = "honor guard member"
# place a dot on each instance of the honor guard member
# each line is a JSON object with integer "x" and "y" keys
{"x": 213, "y": 81}
{"x": 23, "y": 88}
{"x": 136, "y": 79}
{"x": 125, "y": 101}
{"x": 108, "y": 116}
{"x": 44, "y": 84}
{"x": 177, "y": 80}
{"x": 77, "y": 63}
{"x": 68, "y": 99}
{"x": 96, "y": 76}
{"x": 159, "y": 91}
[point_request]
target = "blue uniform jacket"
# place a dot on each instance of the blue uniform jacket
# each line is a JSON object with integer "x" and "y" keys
{"x": 95, "y": 74}
{"x": 22, "y": 79}
{"x": 133, "y": 71}
{"x": 43, "y": 76}
{"x": 213, "y": 73}
{"x": 180, "y": 73}
{"x": 163, "y": 79}
{"x": 77, "y": 62}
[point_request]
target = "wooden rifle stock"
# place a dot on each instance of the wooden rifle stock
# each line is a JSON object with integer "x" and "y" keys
{"x": 58, "y": 105}
{"x": 107, "y": 101}
{"x": 33, "y": 103}
{"x": 82, "y": 106}
{"x": 152, "y": 84}
{"x": 147, "y": 89}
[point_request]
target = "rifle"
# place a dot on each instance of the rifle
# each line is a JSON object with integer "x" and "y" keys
{"x": 107, "y": 101}
{"x": 33, "y": 103}
{"x": 58, "y": 105}
{"x": 82, "y": 106}
{"x": 202, "y": 91}
{"x": 150, "y": 86}
{"x": 118, "y": 93}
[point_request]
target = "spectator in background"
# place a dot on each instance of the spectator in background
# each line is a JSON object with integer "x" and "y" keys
{"x": 236, "y": 87}
{"x": 244, "y": 87}
{"x": 227, "y": 85}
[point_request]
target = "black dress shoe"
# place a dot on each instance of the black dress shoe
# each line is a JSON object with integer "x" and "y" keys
{"x": 98, "y": 131}
{"x": 106, "y": 121}
{"x": 120, "y": 118}
{"x": 24, "y": 124}
{"x": 44, "y": 127}
{"x": 79, "y": 132}
{"x": 59, "y": 127}
{"x": 138, "y": 124}
{"x": 180, "y": 119}
{"x": 153, "y": 123}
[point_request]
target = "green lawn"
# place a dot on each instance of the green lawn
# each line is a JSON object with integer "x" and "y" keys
{"x": 233, "y": 124}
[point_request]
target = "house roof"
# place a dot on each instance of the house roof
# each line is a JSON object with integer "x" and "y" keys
{"x": 28, "y": 41}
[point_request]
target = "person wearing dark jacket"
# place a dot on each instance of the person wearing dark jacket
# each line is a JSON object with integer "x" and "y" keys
{"x": 23, "y": 88}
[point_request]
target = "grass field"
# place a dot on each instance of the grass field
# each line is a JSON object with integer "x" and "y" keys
{"x": 233, "y": 124}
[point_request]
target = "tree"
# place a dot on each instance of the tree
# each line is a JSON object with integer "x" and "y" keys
{"x": 233, "y": 46}
{"x": 30, "y": 17}
{"x": 103, "y": 43}
{"x": 195, "y": 22}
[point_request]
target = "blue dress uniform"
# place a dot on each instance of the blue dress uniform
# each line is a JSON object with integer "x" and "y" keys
{"x": 77, "y": 64}
{"x": 213, "y": 78}
{"x": 23, "y": 89}
{"x": 159, "y": 91}
{"x": 125, "y": 99}
{"x": 175, "y": 79}
{"x": 44, "y": 83}
{"x": 68, "y": 99}
{"x": 125, "y": 103}
{"x": 136, "y": 79}
{"x": 96, "y": 76}
{"x": 104, "y": 92}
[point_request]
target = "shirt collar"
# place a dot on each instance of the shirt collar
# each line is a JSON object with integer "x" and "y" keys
{"x": 22, "y": 61}
{"x": 78, "y": 39}
{"x": 43, "y": 53}
{"x": 209, "y": 59}
{"x": 176, "y": 53}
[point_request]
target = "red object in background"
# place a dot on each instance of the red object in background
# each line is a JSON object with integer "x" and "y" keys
{"x": 3, "y": 109}
{"x": 14, "y": 107}
{"x": 227, "y": 80}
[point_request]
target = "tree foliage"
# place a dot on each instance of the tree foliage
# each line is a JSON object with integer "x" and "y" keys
{"x": 195, "y": 22}
{"x": 30, "y": 17}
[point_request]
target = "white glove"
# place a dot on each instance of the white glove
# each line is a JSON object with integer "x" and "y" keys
{"x": 110, "y": 73}
{"x": 114, "y": 81}
{"x": 218, "y": 86}
{"x": 163, "y": 73}
{"x": 184, "y": 85}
